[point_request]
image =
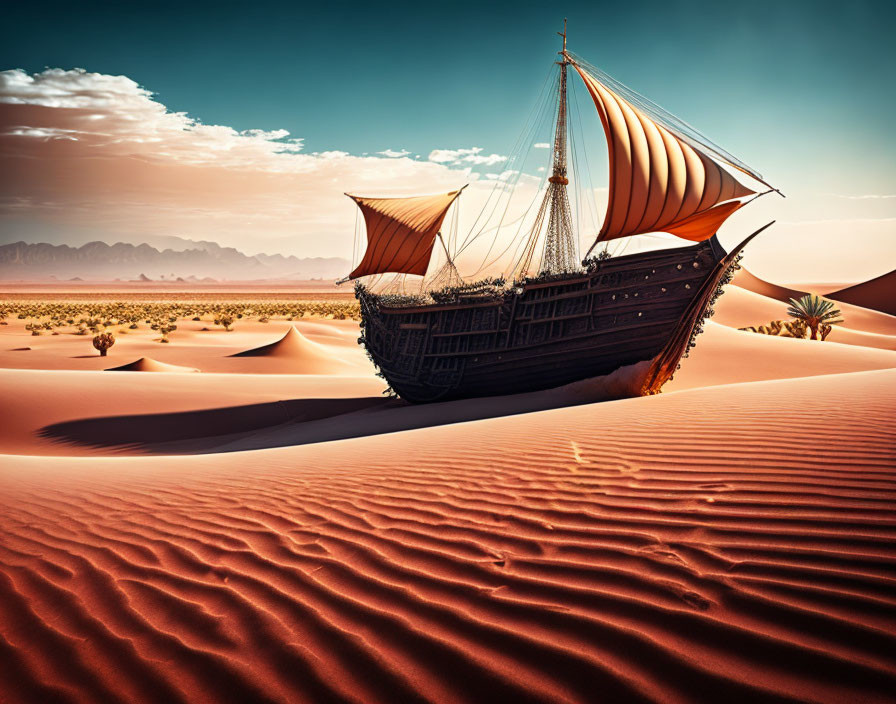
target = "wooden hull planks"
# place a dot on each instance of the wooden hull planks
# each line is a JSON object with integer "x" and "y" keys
{"x": 547, "y": 333}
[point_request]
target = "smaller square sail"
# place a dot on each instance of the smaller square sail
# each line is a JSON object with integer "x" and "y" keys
{"x": 401, "y": 232}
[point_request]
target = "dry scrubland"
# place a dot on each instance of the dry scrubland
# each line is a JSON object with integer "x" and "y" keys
{"x": 274, "y": 529}
{"x": 58, "y": 313}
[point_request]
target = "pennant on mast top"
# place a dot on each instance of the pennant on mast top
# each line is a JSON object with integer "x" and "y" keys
{"x": 658, "y": 182}
{"x": 401, "y": 232}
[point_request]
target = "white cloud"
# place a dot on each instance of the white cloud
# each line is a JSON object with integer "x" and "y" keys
{"x": 114, "y": 110}
{"x": 91, "y": 152}
{"x": 392, "y": 154}
{"x": 541, "y": 145}
{"x": 871, "y": 196}
{"x": 472, "y": 155}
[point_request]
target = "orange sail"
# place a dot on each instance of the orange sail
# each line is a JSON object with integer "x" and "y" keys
{"x": 401, "y": 232}
{"x": 658, "y": 182}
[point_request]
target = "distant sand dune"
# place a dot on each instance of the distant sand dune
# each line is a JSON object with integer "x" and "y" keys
{"x": 303, "y": 355}
{"x": 146, "y": 364}
{"x": 878, "y": 294}
{"x": 740, "y": 308}
{"x": 869, "y": 306}
{"x": 751, "y": 282}
{"x": 716, "y": 545}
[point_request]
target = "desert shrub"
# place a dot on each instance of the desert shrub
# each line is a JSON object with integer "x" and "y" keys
{"x": 103, "y": 342}
{"x": 814, "y": 312}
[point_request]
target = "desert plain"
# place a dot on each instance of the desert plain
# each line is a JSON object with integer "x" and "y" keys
{"x": 244, "y": 516}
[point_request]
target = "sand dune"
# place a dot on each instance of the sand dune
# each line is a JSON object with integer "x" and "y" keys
{"x": 724, "y": 355}
{"x": 146, "y": 364}
{"x": 867, "y": 307}
{"x": 877, "y": 294}
{"x": 744, "y": 279}
{"x": 61, "y": 412}
{"x": 230, "y": 412}
{"x": 296, "y": 354}
{"x": 739, "y": 308}
{"x": 684, "y": 547}
{"x": 325, "y": 347}
{"x": 291, "y": 344}
{"x": 730, "y": 539}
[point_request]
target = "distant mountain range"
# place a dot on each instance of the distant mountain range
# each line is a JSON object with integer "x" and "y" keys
{"x": 99, "y": 261}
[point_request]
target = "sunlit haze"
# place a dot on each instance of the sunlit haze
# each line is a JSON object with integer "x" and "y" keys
{"x": 245, "y": 125}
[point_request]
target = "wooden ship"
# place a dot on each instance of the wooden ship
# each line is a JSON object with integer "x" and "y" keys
{"x": 571, "y": 320}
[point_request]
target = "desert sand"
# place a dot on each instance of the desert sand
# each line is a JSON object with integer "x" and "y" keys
{"x": 273, "y": 528}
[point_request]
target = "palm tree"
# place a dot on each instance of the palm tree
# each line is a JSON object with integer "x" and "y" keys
{"x": 814, "y": 312}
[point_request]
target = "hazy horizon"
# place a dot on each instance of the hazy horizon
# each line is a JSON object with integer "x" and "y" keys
{"x": 246, "y": 128}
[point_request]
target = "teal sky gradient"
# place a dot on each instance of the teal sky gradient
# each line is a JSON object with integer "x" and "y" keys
{"x": 801, "y": 90}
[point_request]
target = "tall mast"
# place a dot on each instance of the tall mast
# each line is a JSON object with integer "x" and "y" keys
{"x": 560, "y": 253}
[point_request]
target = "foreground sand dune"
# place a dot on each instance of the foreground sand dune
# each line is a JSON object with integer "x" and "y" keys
{"x": 697, "y": 546}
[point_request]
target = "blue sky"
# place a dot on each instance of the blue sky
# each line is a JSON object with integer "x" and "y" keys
{"x": 777, "y": 83}
{"x": 801, "y": 90}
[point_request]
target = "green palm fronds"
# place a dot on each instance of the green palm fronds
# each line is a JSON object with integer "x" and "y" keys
{"x": 815, "y": 312}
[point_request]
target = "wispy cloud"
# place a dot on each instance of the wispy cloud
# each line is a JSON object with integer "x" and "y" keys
{"x": 868, "y": 196}
{"x": 541, "y": 145}
{"x": 101, "y": 153}
{"x": 473, "y": 155}
{"x": 392, "y": 154}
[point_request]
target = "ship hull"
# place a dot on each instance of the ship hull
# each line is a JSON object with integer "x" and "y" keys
{"x": 548, "y": 333}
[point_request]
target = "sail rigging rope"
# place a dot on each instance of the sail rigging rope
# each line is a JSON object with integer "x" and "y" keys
{"x": 517, "y": 154}
{"x": 588, "y": 181}
{"x": 357, "y": 239}
{"x": 671, "y": 122}
{"x": 500, "y": 187}
{"x": 546, "y": 110}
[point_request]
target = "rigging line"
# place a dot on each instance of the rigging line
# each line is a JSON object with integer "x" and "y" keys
{"x": 525, "y": 139}
{"x": 357, "y": 239}
{"x": 548, "y": 118}
{"x": 516, "y": 241}
{"x": 517, "y": 146}
{"x": 523, "y": 263}
{"x": 497, "y": 228}
{"x": 452, "y": 231}
{"x": 524, "y": 248}
{"x": 578, "y": 182}
{"x": 672, "y": 122}
{"x": 452, "y": 228}
{"x": 485, "y": 265}
{"x": 592, "y": 203}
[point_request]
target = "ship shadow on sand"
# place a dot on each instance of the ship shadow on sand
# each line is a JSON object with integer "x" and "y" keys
{"x": 303, "y": 421}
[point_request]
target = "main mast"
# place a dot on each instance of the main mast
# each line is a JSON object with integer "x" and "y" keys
{"x": 560, "y": 255}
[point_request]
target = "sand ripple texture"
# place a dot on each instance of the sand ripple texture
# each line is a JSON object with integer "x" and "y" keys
{"x": 704, "y": 546}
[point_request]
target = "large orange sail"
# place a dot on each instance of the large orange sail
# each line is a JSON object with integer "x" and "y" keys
{"x": 658, "y": 182}
{"x": 401, "y": 232}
